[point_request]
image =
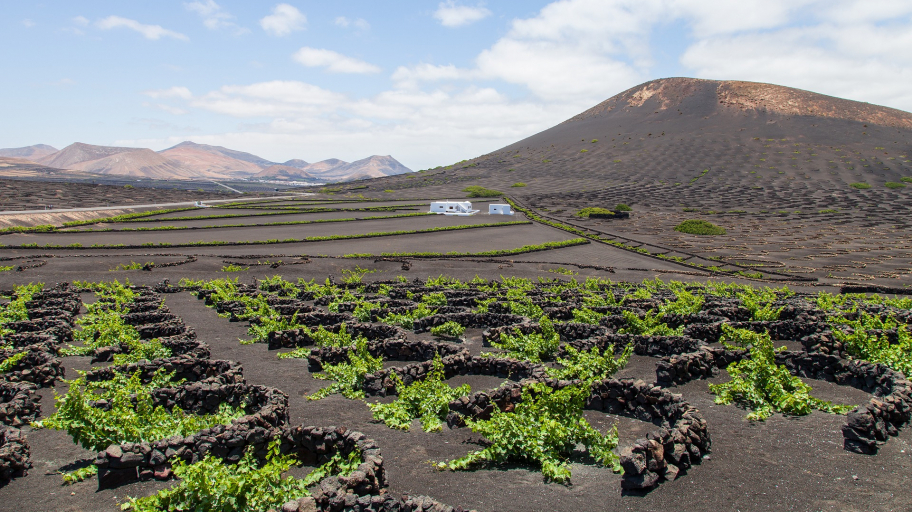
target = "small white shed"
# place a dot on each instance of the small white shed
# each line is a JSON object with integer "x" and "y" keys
{"x": 462, "y": 208}
{"x": 499, "y": 209}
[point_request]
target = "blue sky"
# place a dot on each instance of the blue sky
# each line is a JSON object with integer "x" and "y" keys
{"x": 427, "y": 82}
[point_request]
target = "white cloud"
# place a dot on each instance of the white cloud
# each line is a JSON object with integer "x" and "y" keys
{"x": 81, "y": 21}
{"x": 564, "y": 59}
{"x": 153, "y": 32}
{"x": 333, "y": 61}
{"x": 171, "y": 92}
{"x": 214, "y": 17}
{"x": 27, "y": 23}
{"x": 451, "y": 14}
{"x": 167, "y": 108}
{"x": 284, "y": 20}
{"x": 359, "y": 23}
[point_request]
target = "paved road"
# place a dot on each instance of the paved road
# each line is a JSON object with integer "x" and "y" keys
{"x": 158, "y": 205}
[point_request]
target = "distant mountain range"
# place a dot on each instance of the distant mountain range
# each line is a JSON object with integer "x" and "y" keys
{"x": 189, "y": 160}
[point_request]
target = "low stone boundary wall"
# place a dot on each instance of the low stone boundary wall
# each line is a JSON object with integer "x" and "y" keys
{"x": 58, "y": 327}
{"x": 391, "y": 350}
{"x": 163, "y": 329}
{"x": 868, "y": 426}
{"x": 653, "y": 346}
{"x": 382, "y": 384}
{"x": 18, "y": 403}
{"x": 680, "y": 441}
{"x": 467, "y": 319}
{"x": 39, "y": 366}
{"x": 180, "y": 345}
{"x": 267, "y": 407}
{"x": 150, "y": 317}
{"x": 185, "y": 367}
{"x": 778, "y": 330}
{"x": 14, "y": 454}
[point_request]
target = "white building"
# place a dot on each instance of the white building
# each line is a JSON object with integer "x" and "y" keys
{"x": 462, "y": 208}
{"x": 499, "y": 209}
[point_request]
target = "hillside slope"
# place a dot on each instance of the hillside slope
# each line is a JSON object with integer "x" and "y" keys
{"x": 32, "y": 152}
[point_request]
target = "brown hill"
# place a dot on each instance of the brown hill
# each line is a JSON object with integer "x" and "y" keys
{"x": 284, "y": 172}
{"x": 140, "y": 163}
{"x": 296, "y": 162}
{"x": 30, "y": 152}
{"x": 205, "y": 163}
{"x": 77, "y": 153}
{"x": 324, "y": 166}
{"x": 372, "y": 167}
{"x": 221, "y": 151}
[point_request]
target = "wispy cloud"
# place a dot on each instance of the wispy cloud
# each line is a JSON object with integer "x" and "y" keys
{"x": 171, "y": 92}
{"x": 153, "y": 32}
{"x": 333, "y": 61}
{"x": 214, "y": 16}
{"x": 284, "y": 20}
{"x": 167, "y": 108}
{"x": 451, "y": 14}
{"x": 359, "y": 23}
{"x": 27, "y": 23}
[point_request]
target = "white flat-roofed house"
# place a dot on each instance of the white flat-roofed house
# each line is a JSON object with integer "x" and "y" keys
{"x": 499, "y": 209}
{"x": 462, "y": 208}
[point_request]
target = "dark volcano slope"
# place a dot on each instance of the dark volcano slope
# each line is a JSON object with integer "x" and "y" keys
{"x": 773, "y": 165}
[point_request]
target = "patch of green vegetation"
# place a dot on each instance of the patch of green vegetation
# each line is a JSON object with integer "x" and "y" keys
{"x": 427, "y": 400}
{"x": 562, "y": 270}
{"x": 521, "y": 184}
{"x": 763, "y": 386}
{"x": 448, "y": 330}
{"x": 233, "y": 268}
{"x": 544, "y": 429}
{"x": 906, "y": 179}
{"x": 133, "y": 266}
{"x": 586, "y": 212}
{"x": 621, "y": 207}
{"x": 247, "y": 486}
{"x": 699, "y": 227}
{"x": 860, "y": 185}
{"x": 131, "y": 415}
{"x": 479, "y": 191}
{"x": 893, "y": 184}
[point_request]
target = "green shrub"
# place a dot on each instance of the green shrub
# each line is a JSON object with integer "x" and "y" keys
{"x": 763, "y": 386}
{"x": 893, "y": 184}
{"x": 427, "y": 400}
{"x": 699, "y": 227}
{"x": 544, "y": 429}
{"x": 534, "y": 347}
{"x": 907, "y": 179}
{"x": 479, "y": 191}
{"x": 859, "y": 185}
{"x": 521, "y": 184}
{"x": 448, "y": 330}
{"x": 586, "y": 212}
{"x": 248, "y": 486}
{"x": 131, "y": 416}
{"x": 621, "y": 207}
